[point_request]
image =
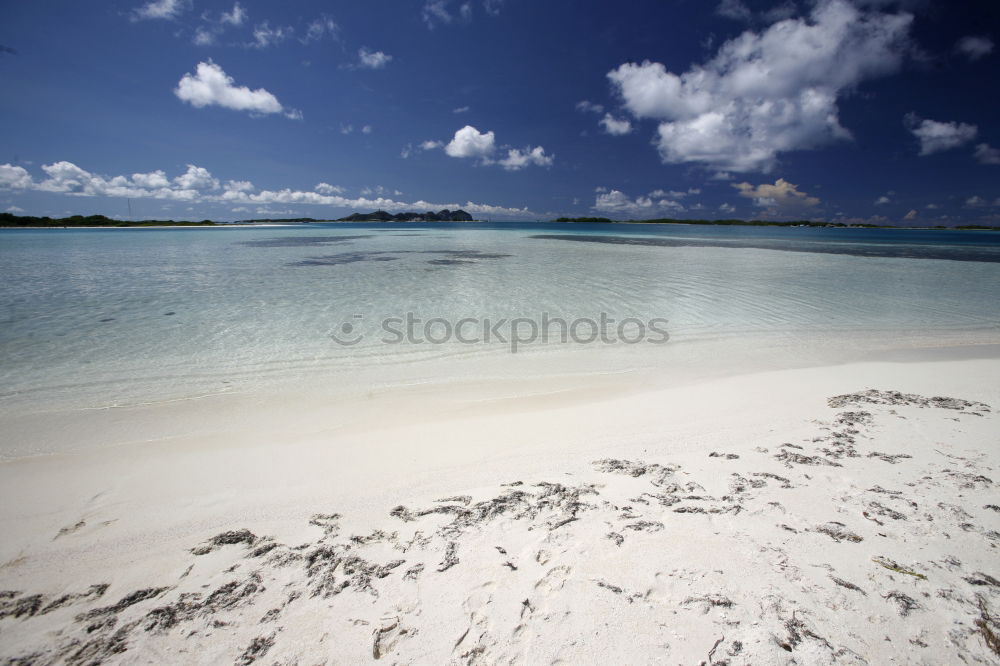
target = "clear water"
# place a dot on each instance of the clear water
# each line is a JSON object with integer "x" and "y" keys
{"x": 124, "y": 316}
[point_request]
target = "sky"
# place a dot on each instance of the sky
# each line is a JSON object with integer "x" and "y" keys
{"x": 874, "y": 111}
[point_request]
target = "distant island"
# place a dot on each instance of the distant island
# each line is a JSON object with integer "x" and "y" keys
{"x": 11, "y": 220}
{"x": 382, "y": 216}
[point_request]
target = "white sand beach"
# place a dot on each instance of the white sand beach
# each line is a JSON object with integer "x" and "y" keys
{"x": 839, "y": 514}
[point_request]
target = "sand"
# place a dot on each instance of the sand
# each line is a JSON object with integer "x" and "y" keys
{"x": 841, "y": 514}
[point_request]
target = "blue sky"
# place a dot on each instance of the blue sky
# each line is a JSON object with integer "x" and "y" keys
{"x": 856, "y": 110}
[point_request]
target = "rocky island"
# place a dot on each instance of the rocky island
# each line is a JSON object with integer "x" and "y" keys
{"x": 382, "y": 216}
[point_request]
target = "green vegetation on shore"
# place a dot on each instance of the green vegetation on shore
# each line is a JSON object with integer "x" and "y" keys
{"x": 9, "y": 220}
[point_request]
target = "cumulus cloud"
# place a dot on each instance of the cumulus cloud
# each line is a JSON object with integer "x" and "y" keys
{"x": 912, "y": 215}
{"x": 160, "y": 9}
{"x": 14, "y": 177}
{"x": 435, "y": 12}
{"x": 264, "y": 35}
{"x": 372, "y": 59}
{"x": 327, "y": 188}
{"x": 431, "y": 145}
{"x": 587, "y": 106}
{"x": 935, "y": 136}
{"x": 765, "y": 93}
{"x": 198, "y": 185}
{"x": 986, "y": 154}
{"x": 616, "y": 202}
{"x": 470, "y": 142}
{"x": 727, "y": 208}
{"x": 235, "y": 17}
{"x": 518, "y": 159}
{"x": 615, "y": 126}
{"x": 882, "y": 200}
{"x": 782, "y": 198}
{"x": 319, "y": 28}
{"x": 979, "y": 202}
{"x": 203, "y": 36}
{"x": 210, "y": 86}
{"x": 974, "y": 47}
{"x": 439, "y": 12}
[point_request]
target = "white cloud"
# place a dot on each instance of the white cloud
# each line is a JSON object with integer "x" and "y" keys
{"x": 196, "y": 178}
{"x": 986, "y": 154}
{"x": 235, "y": 17}
{"x": 435, "y": 12}
{"x": 470, "y": 142}
{"x": 431, "y": 145}
{"x": 160, "y": 9}
{"x": 782, "y": 198}
{"x": 518, "y": 159}
{"x": 936, "y": 136}
{"x": 617, "y": 202}
{"x": 674, "y": 194}
{"x": 346, "y": 129}
{"x": 153, "y": 180}
{"x": 727, "y": 208}
{"x": 319, "y": 28}
{"x": 372, "y": 59}
{"x": 203, "y": 36}
{"x": 14, "y": 209}
{"x": 327, "y": 188}
{"x": 980, "y": 202}
{"x": 912, "y": 215}
{"x": 615, "y": 126}
{"x": 765, "y": 93}
{"x": 881, "y": 201}
{"x": 589, "y": 107}
{"x": 264, "y": 35}
{"x": 367, "y": 129}
{"x": 734, "y": 9}
{"x": 461, "y": 109}
{"x": 198, "y": 185}
{"x": 210, "y": 86}
{"x": 14, "y": 177}
{"x": 492, "y": 7}
{"x": 974, "y": 47}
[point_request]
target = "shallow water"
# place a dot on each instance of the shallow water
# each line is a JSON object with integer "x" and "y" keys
{"x": 92, "y": 318}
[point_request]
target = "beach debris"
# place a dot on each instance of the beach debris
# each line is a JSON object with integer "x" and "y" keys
{"x": 906, "y": 603}
{"x": 893, "y": 566}
{"x": 838, "y": 532}
{"x": 789, "y": 459}
{"x": 258, "y": 648}
{"x": 230, "y": 538}
{"x": 850, "y": 586}
{"x": 988, "y": 625}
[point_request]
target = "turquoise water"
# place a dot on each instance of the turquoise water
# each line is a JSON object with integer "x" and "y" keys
{"x": 119, "y": 316}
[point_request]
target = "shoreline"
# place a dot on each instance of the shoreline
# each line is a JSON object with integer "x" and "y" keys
{"x": 129, "y": 516}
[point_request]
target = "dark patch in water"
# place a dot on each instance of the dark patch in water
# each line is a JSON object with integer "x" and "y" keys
{"x": 890, "y": 251}
{"x": 449, "y": 262}
{"x": 345, "y": 258}
{"x": 301, "y": 241}
{"x": 467, "y": 254}
{"x": 169, "y": 314}
{"x": 106, "y": 319}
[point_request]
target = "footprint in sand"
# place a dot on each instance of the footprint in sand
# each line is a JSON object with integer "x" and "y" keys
{"x": 554, "y": 580}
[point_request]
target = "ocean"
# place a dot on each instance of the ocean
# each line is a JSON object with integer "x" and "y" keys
{"x": 96, "y": 318}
